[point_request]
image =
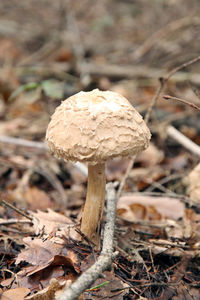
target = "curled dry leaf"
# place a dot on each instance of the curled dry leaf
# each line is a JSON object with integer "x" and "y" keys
{"x": 136, "y": 207}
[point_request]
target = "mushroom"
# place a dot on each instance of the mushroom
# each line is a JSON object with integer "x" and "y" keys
{"x": 93, "y": 127}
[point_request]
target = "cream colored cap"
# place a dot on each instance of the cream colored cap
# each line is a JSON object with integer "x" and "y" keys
{"x": 96, "y": 126}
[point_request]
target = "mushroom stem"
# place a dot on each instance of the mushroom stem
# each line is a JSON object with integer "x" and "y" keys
{"x": 94, "y": 204}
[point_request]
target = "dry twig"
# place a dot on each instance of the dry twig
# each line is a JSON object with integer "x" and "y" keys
{"x": 167, "y": 97}
{"x": 106, "y": 257}
{"x": 14, "y": 221}
{"x": 19, "y": 211}
{"x": 162, "y": 82}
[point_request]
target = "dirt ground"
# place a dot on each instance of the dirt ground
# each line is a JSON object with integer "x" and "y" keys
{"x": 144, "y": 50}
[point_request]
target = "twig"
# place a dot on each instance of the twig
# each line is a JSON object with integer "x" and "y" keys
{"x": 106, "y": 257}
{"x": 163, "y": 80}
{"x": 167, "y": 97}
{"x": 15, "y": 209}
{"x": 180, "y": 67}
{"x": 183, "y": 140}
{"x": 14, "y": 221}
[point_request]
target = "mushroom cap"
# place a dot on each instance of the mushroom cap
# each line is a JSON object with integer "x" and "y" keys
{"x": 96, "y": 126}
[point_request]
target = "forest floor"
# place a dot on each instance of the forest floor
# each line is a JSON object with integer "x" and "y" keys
{"x": 143, "y": 50}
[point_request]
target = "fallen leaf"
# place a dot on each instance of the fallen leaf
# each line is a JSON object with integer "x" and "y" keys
{"x": 15, "y": 294}
{"x": 136, "y": 207}
{"x": 38, "y": 252}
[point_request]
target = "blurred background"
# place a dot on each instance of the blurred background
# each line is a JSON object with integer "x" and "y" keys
{"x": 82, "y": 44}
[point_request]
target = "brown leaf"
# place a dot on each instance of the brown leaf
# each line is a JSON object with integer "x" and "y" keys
{"x": 38, "y": 252}
{"x": 136, "y": 207}
{"x": 15, "y": 294}
{"x": 33, "y": 277}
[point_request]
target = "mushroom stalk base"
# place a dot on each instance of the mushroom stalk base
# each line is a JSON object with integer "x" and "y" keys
{"x": 95, "y": 201}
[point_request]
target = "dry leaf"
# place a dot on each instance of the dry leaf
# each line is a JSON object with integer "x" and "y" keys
{"x": 38, "y": 252}
{"x": 136, "y": 207}
{"x": 15, "y": 294}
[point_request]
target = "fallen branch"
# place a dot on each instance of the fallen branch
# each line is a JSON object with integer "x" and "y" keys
{"x": 106, "y": 257}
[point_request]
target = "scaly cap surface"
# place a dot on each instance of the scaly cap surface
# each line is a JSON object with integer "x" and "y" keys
{"x": 96, "y": 126}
